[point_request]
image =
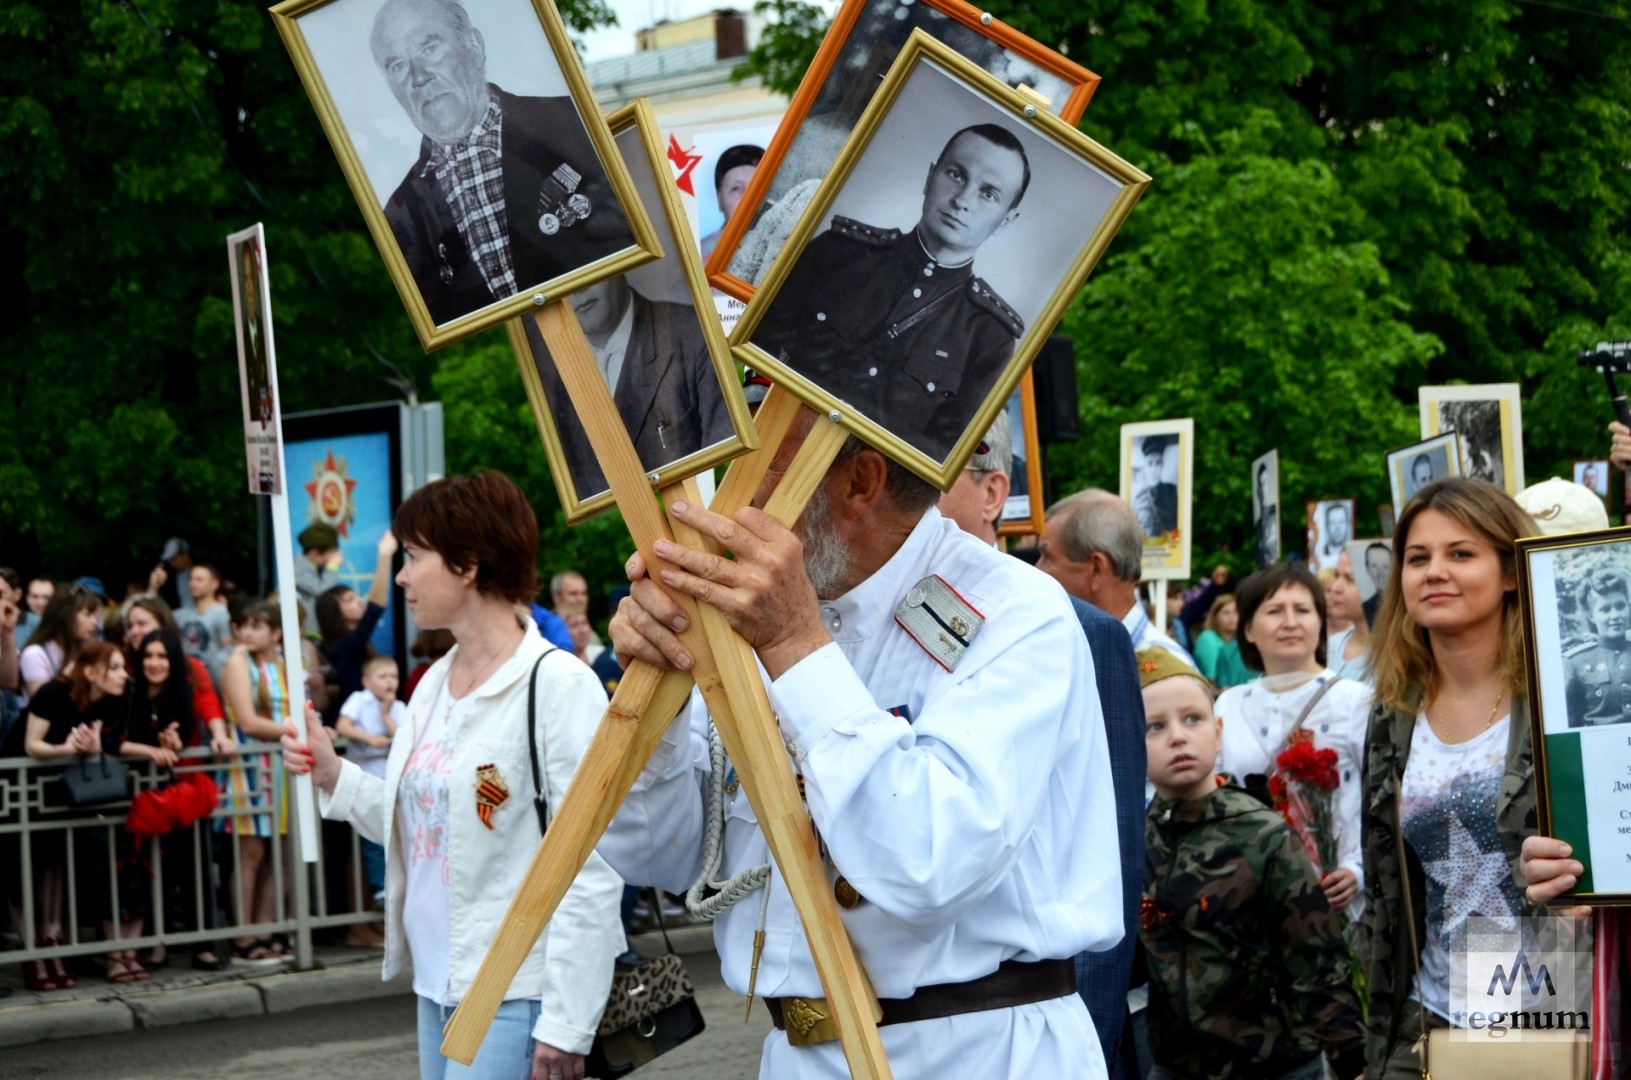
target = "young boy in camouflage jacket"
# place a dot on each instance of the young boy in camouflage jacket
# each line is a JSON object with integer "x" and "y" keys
{"x": 1248, "y": 969}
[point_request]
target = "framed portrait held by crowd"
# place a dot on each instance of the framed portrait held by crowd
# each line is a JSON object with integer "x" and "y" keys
{"x": 257, "y": 363}
{"x": 864, "y": 39}
{"x": 659, "y": 346}
{"x": 1575, "y": 593}
{"x": 1592, "y": 474}
{"x": 1489, "y": 419}
{"x": 1266, "y": 507}
{"x": 1157, "y": 481}
{"x": 1023, "y": 509}
{"x": 472, "y": 143}
{"x": 1411, "y": 468}
{"x": 932, "y": 263}
{"x": 1330, "y": 527}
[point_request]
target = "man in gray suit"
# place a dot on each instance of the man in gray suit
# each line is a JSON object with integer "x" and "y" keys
{"x": 656, "y": 363}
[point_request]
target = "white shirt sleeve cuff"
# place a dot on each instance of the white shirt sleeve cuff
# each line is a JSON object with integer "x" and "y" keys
{"x": 571, "y": 1040}
{"x": 816, "y": 695}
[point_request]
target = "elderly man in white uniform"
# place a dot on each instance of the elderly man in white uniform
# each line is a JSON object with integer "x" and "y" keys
{"x": 937, "y": 697}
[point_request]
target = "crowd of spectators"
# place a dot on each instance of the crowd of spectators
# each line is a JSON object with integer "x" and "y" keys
{"x": 187, "y": 661}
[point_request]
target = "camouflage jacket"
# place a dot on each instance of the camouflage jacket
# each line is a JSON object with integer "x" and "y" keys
{"x": 1392, "y": 968}
{"x": 1248, "y": 969}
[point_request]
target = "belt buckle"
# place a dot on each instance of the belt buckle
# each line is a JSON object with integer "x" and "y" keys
{"x": 808, "y": 1021}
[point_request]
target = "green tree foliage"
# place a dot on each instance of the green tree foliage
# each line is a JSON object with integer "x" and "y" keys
{"x": 1349, "y": 201}
{"x": 138, "y": 134}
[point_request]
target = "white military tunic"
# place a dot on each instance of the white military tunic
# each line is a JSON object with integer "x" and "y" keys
{"x": 979, "y": 826}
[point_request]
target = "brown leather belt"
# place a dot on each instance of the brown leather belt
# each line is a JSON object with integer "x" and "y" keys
{"x": 1015, "y": 982}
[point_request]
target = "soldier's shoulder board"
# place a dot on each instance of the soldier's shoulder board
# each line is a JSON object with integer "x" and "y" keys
{"x": 1584, "y": 646}
{"x": 870, "y": 235}
{"x": 988, "y": 301}
{"x": 939, "y": 620}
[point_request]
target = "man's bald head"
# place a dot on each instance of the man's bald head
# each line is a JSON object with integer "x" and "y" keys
{"x": 435, "y": 63}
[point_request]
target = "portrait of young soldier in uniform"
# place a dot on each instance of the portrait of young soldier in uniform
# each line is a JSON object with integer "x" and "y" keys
{"x": 1598, "y": 670}
{"x": 894, "y": 320}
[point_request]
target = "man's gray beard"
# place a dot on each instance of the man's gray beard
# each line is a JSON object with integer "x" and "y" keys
{"x": 826, "y": 556}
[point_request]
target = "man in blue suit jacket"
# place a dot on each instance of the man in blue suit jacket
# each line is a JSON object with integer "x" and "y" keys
{"x": 1102, "y": 978}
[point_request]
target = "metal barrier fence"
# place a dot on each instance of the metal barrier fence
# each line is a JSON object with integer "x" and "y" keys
{"x": 190, "y": 876}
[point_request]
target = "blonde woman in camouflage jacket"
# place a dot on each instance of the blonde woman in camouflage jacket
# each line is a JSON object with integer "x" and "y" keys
{"x": 1448, "y": 751}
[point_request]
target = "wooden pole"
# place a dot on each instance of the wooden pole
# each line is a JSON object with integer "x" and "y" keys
{"x": 629, "y": 734}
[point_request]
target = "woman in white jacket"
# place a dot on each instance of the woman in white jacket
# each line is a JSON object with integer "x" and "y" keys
{"x": 1282, "y": 635}
{"x": 455, "y": 810}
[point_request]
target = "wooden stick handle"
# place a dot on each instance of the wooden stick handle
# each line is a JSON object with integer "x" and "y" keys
{"x": 620, "y": 748}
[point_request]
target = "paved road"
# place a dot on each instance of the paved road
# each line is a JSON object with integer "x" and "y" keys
{"x": 368, "y": 1040}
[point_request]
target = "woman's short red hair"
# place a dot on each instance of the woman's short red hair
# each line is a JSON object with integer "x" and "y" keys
{"x": 480, "y": 522}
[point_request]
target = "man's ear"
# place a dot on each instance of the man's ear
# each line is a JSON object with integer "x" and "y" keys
{"x": 1006, "y": 221}
{"x": 861, "y": 483}
{"x": 994, "y": 494}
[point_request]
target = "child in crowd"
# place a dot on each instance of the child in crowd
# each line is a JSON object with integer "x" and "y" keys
{"x": 1248, "y": 969}
{"x": 369, "y": 719}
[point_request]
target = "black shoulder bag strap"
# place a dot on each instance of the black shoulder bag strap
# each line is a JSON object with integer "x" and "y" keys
{"x": 540, "y": 801}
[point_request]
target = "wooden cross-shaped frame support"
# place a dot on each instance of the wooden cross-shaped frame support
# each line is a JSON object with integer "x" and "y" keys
{"x": 648, "y": 699}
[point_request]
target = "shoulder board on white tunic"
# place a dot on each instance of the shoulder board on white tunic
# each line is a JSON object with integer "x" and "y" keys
{"x": 939, "y": 620}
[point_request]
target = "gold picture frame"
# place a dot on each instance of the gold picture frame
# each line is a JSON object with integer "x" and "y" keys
{"x": 1579, "y": 726}
{"x": 1022, "y": 512}
{"x": 853, "y": 54}
{"x": 1442, "y": 456}
{"x": 571, "y": 216}
{"x": 1164, "y": 517}
{"x": 960, "y": 396}
{"x": 679, "y": 272}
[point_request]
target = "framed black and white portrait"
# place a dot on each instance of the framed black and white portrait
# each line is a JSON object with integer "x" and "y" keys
{"x": 658, "y": 345}
{"x": 937, "y": 256}
{"x": 1489, "y": 419}
{"x": 1157, "y": 481}
{"x": 471, "y": 141}
{"x": 1022, "y": 510}
{"x": 1411, "y": 468}
{"x": 1330, "y": 527}
{"x": 1372, "y": 560}
{"x": 864, "y": 39}
{"x": 257, "y": 363}
{"x": 1575, "y": 592}
{"x": 1266, "y": 507}
{"x": 1592, "y": 474}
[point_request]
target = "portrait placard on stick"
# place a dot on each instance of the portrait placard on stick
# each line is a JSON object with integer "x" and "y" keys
{"x": 659, "y": 346}
{"x": 1157, "y": 481}
{"x": 1592, "y": 474}
{"x": 471, "y": 141}
{"x": 1489, "y": 419}
{"x": 909, "y": 302}
{"x": 864, "y": 39}
{"x": 1266, "y": 506}
{"x": 263, "y": 441}
{"x": 1411, "y": 468}
{"x": 257, "y": 373}
{"x": 1330, "y": 527}
{"x": 1371, "y": 560}
{"x": 1575, "y": 592}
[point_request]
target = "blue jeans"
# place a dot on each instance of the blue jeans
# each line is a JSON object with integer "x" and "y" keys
{"x": 506, "y": 1053}
{"x": 373, "y": 864}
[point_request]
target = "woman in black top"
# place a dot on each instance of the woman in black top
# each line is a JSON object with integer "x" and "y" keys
{"x": 66, "y": 717}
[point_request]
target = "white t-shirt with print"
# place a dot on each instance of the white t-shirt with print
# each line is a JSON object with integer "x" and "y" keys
{"x": 1447, "y": 807}
{"x": 422, "y": 829}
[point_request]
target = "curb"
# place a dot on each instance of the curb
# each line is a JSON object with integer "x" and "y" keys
{"x": 341, "y": 977}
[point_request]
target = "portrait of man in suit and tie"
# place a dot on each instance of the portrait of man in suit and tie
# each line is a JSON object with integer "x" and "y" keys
{"x": 656, "y": 363}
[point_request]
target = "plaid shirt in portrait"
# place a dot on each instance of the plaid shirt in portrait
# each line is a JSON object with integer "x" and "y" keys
{"x": 471, "y": 176}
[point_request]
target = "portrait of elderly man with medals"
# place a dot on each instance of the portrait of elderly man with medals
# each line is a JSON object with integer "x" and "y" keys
{"x": 507, "y": 191}
{"x": 896, "y": 322}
